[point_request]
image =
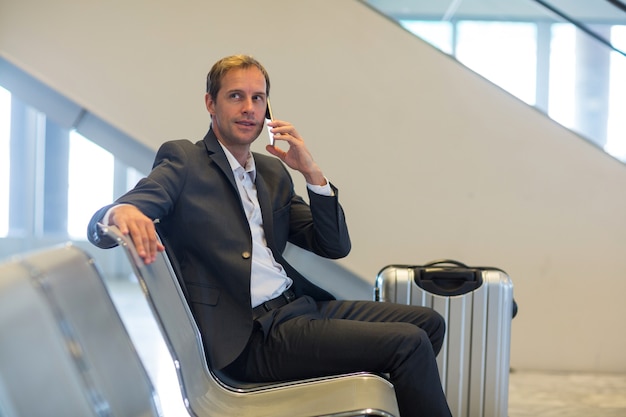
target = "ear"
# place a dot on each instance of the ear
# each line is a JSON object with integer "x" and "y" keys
{"x": 210, "y": 104}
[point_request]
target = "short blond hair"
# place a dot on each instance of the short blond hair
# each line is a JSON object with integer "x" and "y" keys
{"x": 221, "y": 67}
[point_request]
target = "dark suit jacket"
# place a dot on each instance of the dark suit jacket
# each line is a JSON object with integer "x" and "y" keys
{"x": 192, "y": 191}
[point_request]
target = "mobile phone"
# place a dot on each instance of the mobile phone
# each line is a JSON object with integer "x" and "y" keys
{"x": 269, "y": 116}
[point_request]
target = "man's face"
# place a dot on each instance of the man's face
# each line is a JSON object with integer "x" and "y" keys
{"x": 238, "y": 112}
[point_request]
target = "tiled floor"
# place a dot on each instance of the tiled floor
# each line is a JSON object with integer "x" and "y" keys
{"x": 551, "y": 394}
{"x": 531, "y": 394}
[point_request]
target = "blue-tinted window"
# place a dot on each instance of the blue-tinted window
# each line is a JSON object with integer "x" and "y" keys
{"x": 616, "y": 131}
{"x": 5, "y": 161}
{"x": 91, "y": 173}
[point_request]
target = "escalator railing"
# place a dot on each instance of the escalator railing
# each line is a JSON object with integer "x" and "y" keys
{"x": 568, "y": 63}
{"x": 618, "y": 4}
{"x": 591, "y": 18}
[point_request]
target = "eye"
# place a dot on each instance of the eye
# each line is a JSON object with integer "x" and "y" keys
{"x": 258, "y": 98}
{"x": 235, "y": 96}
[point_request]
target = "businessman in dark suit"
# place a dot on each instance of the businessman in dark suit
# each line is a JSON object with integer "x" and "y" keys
{"x": 227, "y": 214}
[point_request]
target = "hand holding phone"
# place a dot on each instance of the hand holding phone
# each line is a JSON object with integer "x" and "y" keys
{"x": 269, "y": 116}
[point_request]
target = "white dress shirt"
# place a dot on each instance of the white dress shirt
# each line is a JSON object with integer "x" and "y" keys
{"x": 268, "y": 278}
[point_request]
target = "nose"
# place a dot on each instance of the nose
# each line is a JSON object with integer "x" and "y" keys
{"x": 247, "y": 106}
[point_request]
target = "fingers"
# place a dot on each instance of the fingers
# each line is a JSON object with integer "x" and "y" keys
{"x": 297, "y": 156}
{"x": 284, "y": 131}
{"x": 131, "y": 221}
{"x": 144, "y": 237}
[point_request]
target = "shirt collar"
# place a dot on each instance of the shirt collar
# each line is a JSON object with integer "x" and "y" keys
{"x": 250, "y": 167}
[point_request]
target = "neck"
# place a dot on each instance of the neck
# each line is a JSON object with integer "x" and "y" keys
{"x": 239, "y": 151}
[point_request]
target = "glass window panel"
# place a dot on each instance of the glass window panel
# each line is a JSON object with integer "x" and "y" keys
{"x": 562, "y": 92}
{"x": 503, "y": 52}
{"x": 616, "y": 129}
{"x": 132, "y": 177}
{"x": 5, "y": 160}
{"x": 91, "y": 170}
{"x": 438, "y": 34}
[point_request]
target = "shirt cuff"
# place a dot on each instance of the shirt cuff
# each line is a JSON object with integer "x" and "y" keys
{"x": 322, "y": 189}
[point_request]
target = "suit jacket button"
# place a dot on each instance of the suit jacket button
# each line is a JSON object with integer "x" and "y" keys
{"x": 245, "y": 255}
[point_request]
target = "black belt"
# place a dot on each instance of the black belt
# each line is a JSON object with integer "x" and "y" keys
{"x": 282, "y": 300}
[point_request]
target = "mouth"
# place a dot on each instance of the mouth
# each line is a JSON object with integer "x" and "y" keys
{"x": 246, "y": 123}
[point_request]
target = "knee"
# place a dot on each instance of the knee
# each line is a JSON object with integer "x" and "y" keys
{"x": 414, "y": 342}
{"x": 436, "y": 330}
{"x": 414, "y": 338}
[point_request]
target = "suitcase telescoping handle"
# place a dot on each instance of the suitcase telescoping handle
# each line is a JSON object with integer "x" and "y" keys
{"x": 447, "y": 277}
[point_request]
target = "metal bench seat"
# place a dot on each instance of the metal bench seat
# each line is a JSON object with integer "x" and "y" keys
{"x": 64, "y": 350}
{"x": 207, "y": 394}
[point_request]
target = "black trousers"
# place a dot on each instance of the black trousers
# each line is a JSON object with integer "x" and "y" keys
{"x": 306, "y": 339}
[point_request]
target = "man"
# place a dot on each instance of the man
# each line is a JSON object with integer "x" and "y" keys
{"x": 226, "y": 215}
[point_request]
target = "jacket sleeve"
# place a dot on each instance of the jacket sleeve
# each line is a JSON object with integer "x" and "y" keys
{"x": 94, "y": 233}
{"x": 321, "y": 226}
{"x": 154, "y": 195}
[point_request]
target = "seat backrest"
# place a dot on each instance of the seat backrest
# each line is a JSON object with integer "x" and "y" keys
{"x": 64, "y": 350}
{"x": 206, "y": 394}
{"x": 168, "y": 304}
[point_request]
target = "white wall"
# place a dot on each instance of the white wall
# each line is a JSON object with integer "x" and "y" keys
{"x": 431, "y": 160}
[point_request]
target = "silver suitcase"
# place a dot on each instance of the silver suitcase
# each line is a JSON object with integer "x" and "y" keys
{"x": 477, "y": 305}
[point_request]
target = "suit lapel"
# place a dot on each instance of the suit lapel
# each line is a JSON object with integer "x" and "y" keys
{"x": 266, "y": 210}
{"x": 216, "y": 154}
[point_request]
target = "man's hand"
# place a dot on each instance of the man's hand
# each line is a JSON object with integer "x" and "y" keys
{"x": 130, "y": 220}
{"x": 298, "y": 156}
